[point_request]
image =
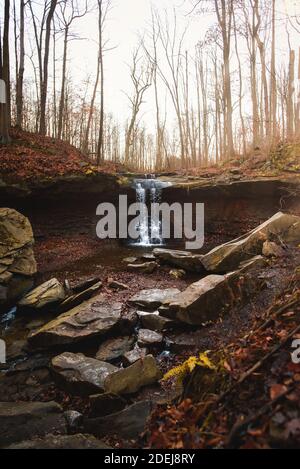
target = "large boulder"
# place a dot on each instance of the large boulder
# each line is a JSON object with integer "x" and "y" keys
{"x": 152, "y": 299}
{"x": 79, "y": 374}
{"x": 25, "y": 420}
{"x": 213, "y": 295}
{"x": 17, "y": 260}
{"x": 228, "y": 256}
{"x": 129, "y": 380}
{"x": 95, "y": 317}
{"x": 182, "y": 259}
{"x": 49, "y": 293}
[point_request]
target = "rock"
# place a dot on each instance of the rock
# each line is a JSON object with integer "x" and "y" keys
{"x": 17, "y": 262}
{"x": 25, "y": 420}
{"x": 182, "y": 259}
{"x": 79, "y": 374}
{"x": 145, "y": 268}
{"x": 134, "y": 355}
{"x": 177, "y": 273}
{"x": 130, "y": 260}
{"x": 83, "y": 284}
{"x": 128, "y": 322}
{"x": 208, "y": 298}
{"x": 127, "y": 424}
{"x": 106, "y": 404}
{"x": 271, "y": 249}
{"x": 93, "y": 318}
{"x": 74, "y": 420}
{"x": 113, "y": 349}
{"x": 77, "y": 299}
{"x": 154, "y": 321}
{"x": 49, "y": 293}
{"x": 147, "y": 337}
{"x": 148, "y": 257}
{"x": 117, "y": 285}
{"x": 152, "y": 299}
{"x": 16, "y": 253}
{"x": 229, "y": 255}
{"x": 75, "y": 442}
{"x": 130, "y": 380}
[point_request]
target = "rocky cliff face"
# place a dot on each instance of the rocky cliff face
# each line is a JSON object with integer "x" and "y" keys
{"x": 17, "y": 262}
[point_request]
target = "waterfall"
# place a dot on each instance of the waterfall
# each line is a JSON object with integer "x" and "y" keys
{"x": 149, "y": 191}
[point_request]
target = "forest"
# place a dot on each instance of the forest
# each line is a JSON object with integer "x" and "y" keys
{"x": 150, "y": 227}
{"x": 236, "y": 88}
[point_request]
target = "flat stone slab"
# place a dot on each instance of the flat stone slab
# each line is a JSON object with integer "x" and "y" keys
{"x": 154, "y": 321}
{"x": 81, "y": 375}
{"x": 51, "y": 292}
{"x": 26, "y": 420}
{"x": 182, "y": 259}
{"x": 78, "y": 441}
{"x": 113, "y": 349}
{"x": 78, "y": 298}
{"x": 208, "y": 298}
{"x": 127, "y": 424}
{"x": 134, "y": 355}
{"x": 146, "y": 337}
{"x": 152, "y": 299}
{"x": 228, "y": 256}
{"x": 93, "y": 318}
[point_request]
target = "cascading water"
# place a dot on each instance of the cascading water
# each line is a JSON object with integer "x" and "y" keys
{"x": 149, "y": 191}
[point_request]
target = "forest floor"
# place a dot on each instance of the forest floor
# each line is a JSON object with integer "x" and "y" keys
{"x": 30, "y": 156}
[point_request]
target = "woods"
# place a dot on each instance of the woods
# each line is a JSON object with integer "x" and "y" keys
{"x": 228, "y": 94}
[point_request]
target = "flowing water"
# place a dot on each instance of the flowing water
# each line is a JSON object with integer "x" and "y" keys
{"x": 149, "y": 191}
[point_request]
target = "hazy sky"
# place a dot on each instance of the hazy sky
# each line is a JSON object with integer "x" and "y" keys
{"x": 126, "y": 19}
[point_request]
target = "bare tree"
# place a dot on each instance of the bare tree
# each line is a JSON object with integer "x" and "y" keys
{"x": 5, "y": 75}
{"x": 141, "y": 77}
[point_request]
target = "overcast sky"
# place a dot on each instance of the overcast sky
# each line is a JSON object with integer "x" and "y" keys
{"x": 126, "y": 20}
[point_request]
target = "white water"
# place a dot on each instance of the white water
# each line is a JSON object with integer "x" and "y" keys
{"x": 149, "y": 191}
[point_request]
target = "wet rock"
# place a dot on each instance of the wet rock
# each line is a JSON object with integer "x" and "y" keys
{"x": 49, "y": 293}
{"x": 117, "y": 285}
{"x": 17, "y": 262}
{"x": 145, "y": 268}
{"x": 130, "y": 260}
{"x": 83, "y": 284}
{"x": 25, "y": 420}
{"x": 134, "y": 355}
{"x": 271, "y": 249}
{"x": 127, "y": 424}
{"x": 146, "y": 337}
{"x": 130, "y": 380}
{"x": 211, "y": 296}
{"x": 152, "y": 299}
{"x": 114, "y": 348}
{"x": 79, "y": 441}
{"x": 154, "y": 321}
{"x": 177, "y": 273}
{"x": 79, "y": 374}
{"x": 106, "y": 404}
{"x": 75, "y": 300}
{"x": 93, "y": 318}
{"x": 182, "y": 259}
{"x": 229, "y": 255}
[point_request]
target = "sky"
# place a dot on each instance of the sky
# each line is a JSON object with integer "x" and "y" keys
{"x": 126, "y": 20}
